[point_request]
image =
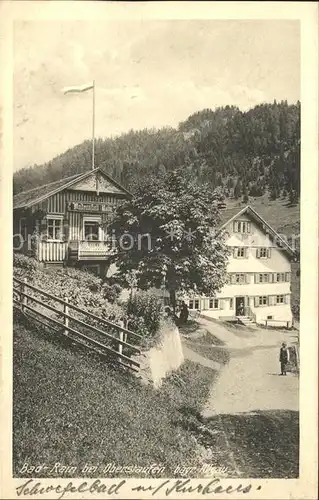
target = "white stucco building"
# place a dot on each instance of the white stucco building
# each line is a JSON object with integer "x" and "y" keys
{"x": 259, "y": 273}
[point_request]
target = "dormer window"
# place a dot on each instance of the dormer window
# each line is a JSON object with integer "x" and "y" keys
{"x": 241, "y": 226}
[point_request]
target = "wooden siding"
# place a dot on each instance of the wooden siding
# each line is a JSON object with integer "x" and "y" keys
{"x": 57, "y": 204}
{"x": 51, "y": 251}
{"x": 56, "y": 251}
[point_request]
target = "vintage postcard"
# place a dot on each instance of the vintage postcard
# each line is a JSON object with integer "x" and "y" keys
{"x": 159, "y": 265}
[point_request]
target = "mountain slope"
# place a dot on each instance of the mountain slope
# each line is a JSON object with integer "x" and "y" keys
{"x": 240, "y": 152}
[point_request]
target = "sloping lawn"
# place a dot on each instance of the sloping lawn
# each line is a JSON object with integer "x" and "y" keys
{"x": 72, "y": 408}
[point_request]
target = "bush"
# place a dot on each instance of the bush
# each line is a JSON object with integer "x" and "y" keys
{"x": 24, "y": 262}
{"x": 296, "y": 310}
{"x": 84, "y": 278}
{"x": 111, "y": 292}
{"x": 145, "y": 305}
{"x": 80, "y": 287}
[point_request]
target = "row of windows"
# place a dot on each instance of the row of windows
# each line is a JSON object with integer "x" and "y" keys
{"x": 212, "y": 304}
{"x": 91, "y": 229}
{"x": 243, "y": 278}
{"x": 240, "y": 226}
{"x": 243, "y": 252}
{"x": 271, "y": 300}
{"x": 259, "y": 301}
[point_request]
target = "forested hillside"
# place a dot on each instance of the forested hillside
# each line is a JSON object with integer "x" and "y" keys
{"x": 244, "y": 153}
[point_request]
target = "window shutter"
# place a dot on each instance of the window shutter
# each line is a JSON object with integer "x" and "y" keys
{"x": 248, "y": 227}
{"x": 287, "y": 277}
{"x": 233, "y": 279}
{"x": 246, "y": 253}
{"x": 235, "y": 252}
{"x": 247, "y": 278}
{"x": 235, "y": 226}
{"x": 256, "y": 301}
{"x": 257, "y": 278}
{"x": 287, "y": 299}
{"x": 269, "y": 253}
{"x": 220, "y": 304}
{"x": 257, "y": 253}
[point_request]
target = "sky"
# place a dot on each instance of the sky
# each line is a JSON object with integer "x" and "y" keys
{"x": 147, "y": 74}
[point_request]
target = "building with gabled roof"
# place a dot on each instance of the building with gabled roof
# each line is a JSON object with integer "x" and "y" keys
{"x": 62, "y": 223}
{"x": 258, "y": 287}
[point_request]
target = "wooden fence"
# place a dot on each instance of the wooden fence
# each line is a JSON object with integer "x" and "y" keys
{"x": 29, "y": 299}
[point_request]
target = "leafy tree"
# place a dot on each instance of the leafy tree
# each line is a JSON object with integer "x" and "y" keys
{"x": 167, "y": 234}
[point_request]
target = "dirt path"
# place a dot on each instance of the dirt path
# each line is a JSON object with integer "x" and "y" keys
{"x": 251, "y": 380}
{"x": 252, "y": 412}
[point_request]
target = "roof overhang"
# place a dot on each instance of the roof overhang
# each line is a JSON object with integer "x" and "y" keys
{"x": 69, "y": 183}
{"x": 281, "y": 242}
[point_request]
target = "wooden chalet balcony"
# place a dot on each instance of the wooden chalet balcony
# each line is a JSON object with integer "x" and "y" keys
{"x": 89, "y": 250}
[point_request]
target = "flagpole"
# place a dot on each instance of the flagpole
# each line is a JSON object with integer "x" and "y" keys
{"x": 93, "y": 127}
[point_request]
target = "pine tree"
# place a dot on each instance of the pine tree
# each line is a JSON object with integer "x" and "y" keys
{"x": 237, "y": 190}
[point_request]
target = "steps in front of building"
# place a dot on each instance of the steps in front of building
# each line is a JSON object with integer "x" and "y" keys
{"x": 245, "y": 320}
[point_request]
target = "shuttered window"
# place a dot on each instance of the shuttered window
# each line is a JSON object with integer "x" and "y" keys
{"x": 239, "y": 278}
{"x": 213, "y": 303}
{"x": 241, "y": 226}
{"x": 193, "y": 304}
{"x": 263, "y": 301}
{"x": 280, "y": 277}
{"x": 263, "y": 253}
{"x": 240, "y": 252}
{"x": 263, "y": 278}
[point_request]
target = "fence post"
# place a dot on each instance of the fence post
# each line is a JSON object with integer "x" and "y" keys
{"x": 66, "y": 319}
{"x": 24, "y": 298}
{"x": 121, "y": 336}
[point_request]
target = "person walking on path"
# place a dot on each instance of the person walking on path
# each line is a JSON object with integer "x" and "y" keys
{"x": 184, "y": 313}
{"x": 284, "y": 358}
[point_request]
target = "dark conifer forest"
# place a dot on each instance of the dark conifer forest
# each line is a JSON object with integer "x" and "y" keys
{"x": 242, "y": 153}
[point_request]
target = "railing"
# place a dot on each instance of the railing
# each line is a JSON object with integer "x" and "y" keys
{"x": 51, "y": 251}
{"x": 40, "y": 310}
{"x": 249, "y": 312}
{"x": 93, "y": 249}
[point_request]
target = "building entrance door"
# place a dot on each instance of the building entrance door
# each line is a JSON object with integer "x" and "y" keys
{"x": 240, "y": 306}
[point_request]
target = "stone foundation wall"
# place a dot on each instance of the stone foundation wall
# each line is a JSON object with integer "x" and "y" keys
{"x": 165, "y": 357}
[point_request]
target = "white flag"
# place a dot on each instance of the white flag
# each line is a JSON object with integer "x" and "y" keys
{"x": 78, "y": 89}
